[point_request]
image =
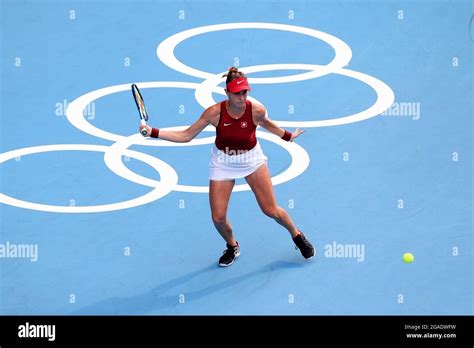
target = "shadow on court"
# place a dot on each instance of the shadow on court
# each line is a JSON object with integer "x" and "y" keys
{"x": 156, "y": 299}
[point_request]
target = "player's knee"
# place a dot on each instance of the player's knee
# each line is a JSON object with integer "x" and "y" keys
{"x": 271, "y": 211}
{"x": 218, "y": 218}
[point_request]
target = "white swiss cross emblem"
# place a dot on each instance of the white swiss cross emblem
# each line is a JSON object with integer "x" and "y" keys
{"x": 243, "y": 124}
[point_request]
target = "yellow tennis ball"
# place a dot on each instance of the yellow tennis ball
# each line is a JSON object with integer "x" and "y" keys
{"x": 408, "y": 258}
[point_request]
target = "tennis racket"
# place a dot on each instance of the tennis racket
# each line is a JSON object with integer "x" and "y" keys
{"x": 140, "y": 106}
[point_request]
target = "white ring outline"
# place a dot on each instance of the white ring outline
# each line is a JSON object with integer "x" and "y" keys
{"x": 76, "y": 108}
{"x": 343, "y": 53}
{"x": 167, "y": 175}
{"x": 299, "y": 163}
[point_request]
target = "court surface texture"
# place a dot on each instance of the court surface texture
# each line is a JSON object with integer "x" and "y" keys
{"x": 97, "y": 220}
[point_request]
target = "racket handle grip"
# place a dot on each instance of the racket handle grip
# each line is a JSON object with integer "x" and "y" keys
{"x": 143, "y": 131}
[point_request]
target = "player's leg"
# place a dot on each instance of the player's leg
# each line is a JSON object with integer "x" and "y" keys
{"x": 219, "y": 196}
{"x": 261, "y": 184}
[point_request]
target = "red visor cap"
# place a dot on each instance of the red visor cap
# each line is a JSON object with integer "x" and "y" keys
{"x": 237, "y": 85}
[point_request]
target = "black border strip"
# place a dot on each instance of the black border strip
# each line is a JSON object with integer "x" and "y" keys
{"x": 286, "y": 330}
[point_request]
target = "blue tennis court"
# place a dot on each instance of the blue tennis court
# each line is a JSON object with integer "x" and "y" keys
{"x": 97, "y": 220}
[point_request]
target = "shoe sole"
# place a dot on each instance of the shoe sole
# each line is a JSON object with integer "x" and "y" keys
{"x": 307, "y": 258}
{"x": 229, "y": 264}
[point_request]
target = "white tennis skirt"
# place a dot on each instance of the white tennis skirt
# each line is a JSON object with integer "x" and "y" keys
{"x": 225, "y": 166}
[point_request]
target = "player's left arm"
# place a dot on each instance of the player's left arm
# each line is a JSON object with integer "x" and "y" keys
{"x": 260, "y": 117}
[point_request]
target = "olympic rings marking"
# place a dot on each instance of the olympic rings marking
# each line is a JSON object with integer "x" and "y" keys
{"x": 203, "y": 93}
{"x": 168, "y": 176}
{"x": 299, "y": 163}
{"x": 343, "y": 53}
{"x": 385, "y": 95}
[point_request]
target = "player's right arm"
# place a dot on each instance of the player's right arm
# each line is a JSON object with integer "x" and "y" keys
{"x": 209, "y": 116}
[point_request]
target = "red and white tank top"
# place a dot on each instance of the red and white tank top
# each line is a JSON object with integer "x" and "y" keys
{"x": 236, "y": 134}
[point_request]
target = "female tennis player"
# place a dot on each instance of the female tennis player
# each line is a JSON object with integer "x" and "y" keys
{"x": 237, "y": 154}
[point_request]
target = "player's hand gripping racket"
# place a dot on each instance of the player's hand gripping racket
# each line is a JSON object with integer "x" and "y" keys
{"x": 141, "y": 107}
